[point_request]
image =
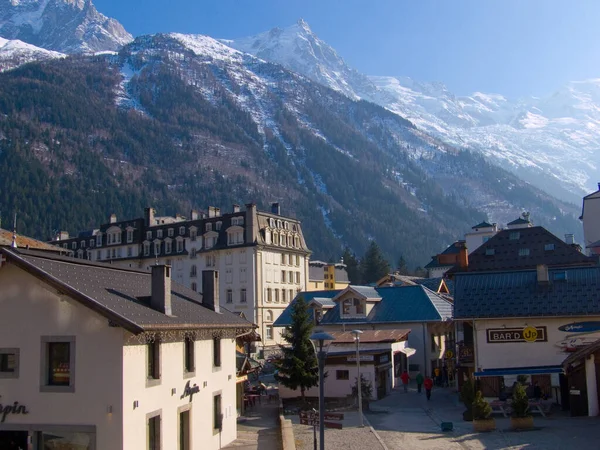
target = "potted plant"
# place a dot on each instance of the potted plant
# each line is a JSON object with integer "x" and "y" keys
{"x": 482, "y": 412}
{"x": 467, "y": 396}
{"x": 520, "y": 418}
{"x": 366, "y": 391}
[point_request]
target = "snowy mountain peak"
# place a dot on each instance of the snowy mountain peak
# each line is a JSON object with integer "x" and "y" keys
{"x": 14, "y": 53}
{"x": 67, "y": 26}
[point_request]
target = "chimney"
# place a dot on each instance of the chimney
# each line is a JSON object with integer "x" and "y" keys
{"x": 113, "y": 218}
{"x": 149, "y": 216}
{"x": 210, "y": 289}
{"x": 463, "y": 255}
{"x": 217, "y": 212}
{"x": 570, "y": 239}
{"x": 193, "y": 214}
{"x": 542, "y": 273}
{"x": 160, "y": 299}
{"x": 62, "y": 235}
{"x": 236, "y": 208}
{"x": 211, "y": 211}
{"x": 249, "y": 223}
{"x": 275, "y": 208}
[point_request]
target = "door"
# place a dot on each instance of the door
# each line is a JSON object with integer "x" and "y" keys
{"x": 578, "y": 393}
{"x": 13, "y": 440}
{"x": 184, "y": 430}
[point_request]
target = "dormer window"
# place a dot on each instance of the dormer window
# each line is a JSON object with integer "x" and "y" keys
{"x": 129, "y": 236}
{"x": 208, "y": 227}
{"x": 181, "y": 231}
{"x": 98, "y": 240}
{"x": 514, "y": 235}
{"x": 237, "y": 221}
{"x": 353, "y": 307}
{"x": 218, "y": 225}
{"x": 170, "y": 232}
{"x": 159, "y": 234}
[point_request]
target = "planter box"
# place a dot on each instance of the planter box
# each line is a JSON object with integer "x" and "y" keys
{"x": 484, "y": 425}
{"x": 521, "y": 423}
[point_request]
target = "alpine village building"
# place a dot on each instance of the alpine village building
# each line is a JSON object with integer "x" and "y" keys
{"x": 113, "y": 358}
{"x": 262, "y": 257}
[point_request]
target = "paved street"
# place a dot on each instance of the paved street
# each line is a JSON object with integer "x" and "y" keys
{"x": 409, "y": 421}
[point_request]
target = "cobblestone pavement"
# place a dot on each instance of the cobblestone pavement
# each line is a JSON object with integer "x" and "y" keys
{"x": 351, "y": 437}
{"x": 409, "y": 421}
{"x": 260, "y": 429}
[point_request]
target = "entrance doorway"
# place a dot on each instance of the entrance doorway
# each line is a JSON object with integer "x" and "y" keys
{"x": 184, "y": 430}
{"x": 13, "y": 440}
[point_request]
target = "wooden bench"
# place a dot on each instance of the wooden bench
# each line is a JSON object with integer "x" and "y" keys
{"x": 498, "y": 406}
{"x": 536, "y": 407}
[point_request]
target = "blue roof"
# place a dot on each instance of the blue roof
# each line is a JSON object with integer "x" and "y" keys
{"x": 323, "y": 301}
{"x": 398, "y": 304}
{"x": 483, "y": 224}
{"x": 366, "y": 291}
{"x": 286, "y": 316}
{"x": 570, "y": 292}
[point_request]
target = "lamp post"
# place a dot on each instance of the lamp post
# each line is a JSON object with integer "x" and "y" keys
{"x": 357, "y": 334}
{"x": 319, "y": 338}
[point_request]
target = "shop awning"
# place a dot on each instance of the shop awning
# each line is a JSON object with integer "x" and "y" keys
{"x": 519, "y": 371}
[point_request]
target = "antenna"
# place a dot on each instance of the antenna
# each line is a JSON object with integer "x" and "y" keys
{"x": 14, "y": 237}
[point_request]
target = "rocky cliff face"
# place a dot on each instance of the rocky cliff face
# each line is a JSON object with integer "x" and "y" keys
{"x": 66, "y": 26}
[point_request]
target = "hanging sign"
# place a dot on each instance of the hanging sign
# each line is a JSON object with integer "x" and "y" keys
{"x": 527, "y": 334}
{"x": 581, "y": 327}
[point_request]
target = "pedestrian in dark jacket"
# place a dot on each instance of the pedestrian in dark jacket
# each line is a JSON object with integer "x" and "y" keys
{"x": 428, "y": 383}
{"x": 419, "y": 380}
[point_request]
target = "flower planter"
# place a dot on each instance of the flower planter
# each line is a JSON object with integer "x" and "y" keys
{"x": 484, "y": 424}
{"x": 521, "y": 423}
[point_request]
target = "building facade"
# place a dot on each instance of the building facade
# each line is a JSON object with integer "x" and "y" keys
{"x": 113, "y": 358}
{"x": 326, "y": 276}
{"x": 590, "y": 216}
{"x": 262, "y": 257}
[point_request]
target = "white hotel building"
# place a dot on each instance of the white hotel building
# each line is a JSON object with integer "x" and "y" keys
{"x": 262, "y": 256}
{"x": 96, "y": 357}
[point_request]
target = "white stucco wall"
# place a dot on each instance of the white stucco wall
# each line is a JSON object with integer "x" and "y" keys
{"x": 591, "y": 220}
{"x": 160, "y": 397}
{"x": 526, "y": 354}
{"x": 30, "y": 310}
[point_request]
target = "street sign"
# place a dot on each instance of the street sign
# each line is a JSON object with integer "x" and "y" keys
{"x": 335, "y": 425}
{"x": 334, "y": 416}
{"x": 307, "y": 414}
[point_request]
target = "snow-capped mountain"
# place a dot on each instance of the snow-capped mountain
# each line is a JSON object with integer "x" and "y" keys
{"x": 14, "y": 53}
{"x": 66, "y": 26}
{"x": 552, "y": 142}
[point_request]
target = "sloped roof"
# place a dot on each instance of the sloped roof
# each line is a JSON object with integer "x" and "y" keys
{"x": 519, "y": 221}
{"x": 341, "y": 275}
{"x": 120, "y": 294}
{"x": 27, "y": 242}
{"x": 315, "y": 273}
{"x": 582, "y": 353}
{"x": 323, "y": 302}
{"x": 370, "y": 336}
{"x": 518, "y": 294}
{"x": 398, "y": 304}
{"x": 506, "y": 252}
{"x": 483, "y": 224}
{"x": 434, "y": 263}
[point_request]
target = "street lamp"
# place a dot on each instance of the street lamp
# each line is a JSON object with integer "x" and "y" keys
{"x": 357, "y": 334}
{"x": 318, "y": 339}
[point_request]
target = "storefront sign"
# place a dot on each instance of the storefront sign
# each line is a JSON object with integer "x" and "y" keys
{"x": 189, "y": 391}
{"x": 581, "y": 327}
{"x": 14, "y": 409}
{"x": 527, "y": 334}
{"x": 362, "y": 358}
{"x": 465, "y": 353}
{"x": 384, "y": 358}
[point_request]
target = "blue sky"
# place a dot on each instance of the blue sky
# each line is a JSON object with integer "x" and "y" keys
{"x": 511, "y": 47}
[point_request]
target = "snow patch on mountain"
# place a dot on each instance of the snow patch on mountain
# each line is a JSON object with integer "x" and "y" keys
{"x": 14, "y": 53}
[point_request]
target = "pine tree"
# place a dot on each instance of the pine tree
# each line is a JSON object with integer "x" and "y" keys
{"x": 402, "y": 267}
{"x": 373, "y": 265}
{"x": 352, "y": 266}
{"x": 298, "y": 368}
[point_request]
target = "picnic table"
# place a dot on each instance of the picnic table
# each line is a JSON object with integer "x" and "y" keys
{"x": 504, "y": 408}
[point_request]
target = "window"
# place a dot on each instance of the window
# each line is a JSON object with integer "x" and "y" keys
{"x": 218, "y": 226}
{"x": 243, "y": 256}
{"x": 170, "y": 232}
{"x": 283, "y": 259}
{"x": 154, "y": 433}
{"x": 58, "y": 355}
{"x": 490, "y": 252}
{"x": 148, "y": 235}
{"x": 243, "y": 296}
{"x": 282, "y": 240}
{"x": 193, "y": 252}
{"x": 129, "y": 251}
{"x": 189, "y": 356}
{"x": 217, "y": 352}
{"x": 229, "y": 275}
{"x": 291, "y": 297}
{"x": 208, "y": 227}
{"x": 342, "y": 374}
{"x": 73, "y": 245}
{"x": 548, "y": 247}
{"x": 283, "y": 296}
{"x": 179, "y": 245}
{"x": 523, "y": 252}
{"x": 129, "y": 236}
{"x": 146, "y": 249}
{"x": 168, "y": 246}
{"x": 193, "y": 234}
{"x": 560, "y": 276}
{"x": 269, "y": 331}
{"x": 82, "y": 244}
{"x": 297, "y": 260}
{"x": 194, "y": 287}
{"x": 157, "y": 248}
{"x": 193, "y": 271}
{"x": 346, "y": 306}
{"x": 228, "y": 258}
{"x": 269, "y": 295}
{"x": 181, "y": 231}
{"x": 153, "y": 353}
{"x": 9, "y": 363}
{"x": 269, "y": 315}
{"x": 92, "y": 243}
{"x": 283, "y": 276}
{"x": 297, "y": 277}
{"x": 159, "y": 234}
{"x": 229, "y": 298}
{"x": 358, "y": 306}
{"x": 237, "y": 221}
{"x": 276, "y": 295}
{"x": 98, "y": 240}
{"x": 514, "y": 235}
{"x": 211, "y": 261}
{"x": 217, "y": 416}
{"x": 243, "y": 275}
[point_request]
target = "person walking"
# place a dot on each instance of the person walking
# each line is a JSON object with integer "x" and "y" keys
{"x": 436, "y": 374}
{"x": 428, "y": 383}
{"x": 405, "y": 379}
{"x": 419, "y": 379}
